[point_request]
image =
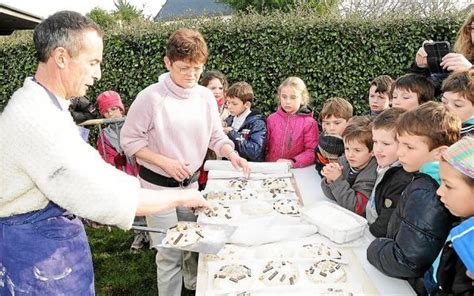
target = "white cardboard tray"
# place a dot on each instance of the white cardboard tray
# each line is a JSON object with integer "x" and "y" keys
{"x": 332, "y": 226}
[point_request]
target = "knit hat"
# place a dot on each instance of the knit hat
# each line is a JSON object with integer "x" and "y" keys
{"x": 109, "y": 99}
{"x": 461, "y": 156}
{"x": 331, "y": 146}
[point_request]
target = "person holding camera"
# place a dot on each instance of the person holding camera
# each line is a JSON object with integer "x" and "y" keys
{"x": 434, "y": 59}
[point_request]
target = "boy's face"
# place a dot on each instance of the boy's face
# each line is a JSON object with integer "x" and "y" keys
{"x": 459, "y": 105}
{"x": 236, "y": 106}
{"x": 290, "y": 100}
{"x": 113, "y": 112}
{"x": 215, "y": 85}
{"x": 455, "y": 193}
{"x": 413, "y": 152}
{"x": 183, "y": 73}
{"x": 385, "y": 146}
{"x": 377, "y": 101}
{"x": 357, "y": 154}
{"x": 334, "y": 125}
{"x": 404, "y": 99}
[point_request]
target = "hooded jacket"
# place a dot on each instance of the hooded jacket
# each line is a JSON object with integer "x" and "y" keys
{"x": 292, "y": 136}
{"x": 250, "y": 138}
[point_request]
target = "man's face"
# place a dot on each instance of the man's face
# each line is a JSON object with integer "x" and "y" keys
{"x": 184, "y": 74}
{"x": 80, "y": 72}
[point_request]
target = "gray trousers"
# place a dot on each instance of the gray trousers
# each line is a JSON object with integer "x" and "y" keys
{"x": 173, "y": 265}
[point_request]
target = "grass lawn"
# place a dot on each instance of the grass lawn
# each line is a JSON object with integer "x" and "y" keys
{"x": 117, "y": 270}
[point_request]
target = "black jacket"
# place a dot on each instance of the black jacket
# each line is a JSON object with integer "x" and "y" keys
{"x": 387, "y": 195}
{"x": 416, "y": 232}
{"x": 250, "y": 139}
{"x": 451, "y": 275}
{"x": 82, "y": 109}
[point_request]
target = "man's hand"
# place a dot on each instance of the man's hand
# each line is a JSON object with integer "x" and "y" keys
{"x": 191, "y": 198}
{"x": 178, "y": 170}
{"x": 455, "y": 61}
{"x": 239, "y": 163}
{"x": 331, "y": 171}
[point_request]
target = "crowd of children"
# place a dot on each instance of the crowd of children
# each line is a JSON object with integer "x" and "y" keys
{"x": 390, "y": 165}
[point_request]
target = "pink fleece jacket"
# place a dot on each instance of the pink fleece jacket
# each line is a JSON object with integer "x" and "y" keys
{"x": 292, "y": 136}
{"x": 175, "y": 122}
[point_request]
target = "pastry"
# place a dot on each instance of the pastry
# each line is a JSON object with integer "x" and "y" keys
{"x": 287, "y": 207}
{"x": 218, "y": 210}
{"x": 320, "y": 251}
{"x": 277, "y": 273}
{"x": 326, "y": 271}
{"x": 184, "y": 234}
{"x": 233, "y": 276}
{"x": 275, "y": 183}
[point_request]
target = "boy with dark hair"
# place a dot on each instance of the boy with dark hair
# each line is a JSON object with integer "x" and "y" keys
{"x": 411, "y": 90}
{"x": 379, "y": 94}
{"x": 417, "y": 230}
{"x": 245, "y": 127}
{"x": 458, "y": 97}
{"x": 350, "y": 181}
{"x": 392, "y": 179}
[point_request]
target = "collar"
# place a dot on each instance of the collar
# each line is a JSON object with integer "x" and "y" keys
{"x": 178, "y": 91}
{"x": 432, "y": 170}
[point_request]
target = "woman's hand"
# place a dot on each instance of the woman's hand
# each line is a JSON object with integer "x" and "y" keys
{"x": 178, "y": 170}
{"x": 421, "y": 55}
{"x": 239, "y": 163}
{"x": 455, "y": 61}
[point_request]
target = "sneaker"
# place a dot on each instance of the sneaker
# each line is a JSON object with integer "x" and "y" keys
{"x": 139, "y": 241}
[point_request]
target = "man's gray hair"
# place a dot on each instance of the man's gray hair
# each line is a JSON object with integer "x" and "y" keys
{"x": 62, "y": 29}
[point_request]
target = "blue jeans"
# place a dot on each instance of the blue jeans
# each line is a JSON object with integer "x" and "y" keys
{"x": 45, "y": 252}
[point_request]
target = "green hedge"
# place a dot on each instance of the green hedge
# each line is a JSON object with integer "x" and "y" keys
{"x": 334, "y": 56}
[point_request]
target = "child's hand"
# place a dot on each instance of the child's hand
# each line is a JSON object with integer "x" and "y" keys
{"x": 290, "y": 163}
{"x": 227, "y": 129}
{"x": 331, "y": 171}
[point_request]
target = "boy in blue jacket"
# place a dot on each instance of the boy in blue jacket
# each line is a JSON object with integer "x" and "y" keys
{"x": 420, "y": 224}
{"x": 245, "y": 127}
{"x": 451, "y": 272}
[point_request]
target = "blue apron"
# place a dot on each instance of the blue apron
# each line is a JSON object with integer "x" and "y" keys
{"x": 45, "y": 252}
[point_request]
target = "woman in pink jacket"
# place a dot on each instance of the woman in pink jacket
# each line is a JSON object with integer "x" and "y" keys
{"x": 292, "y": 131}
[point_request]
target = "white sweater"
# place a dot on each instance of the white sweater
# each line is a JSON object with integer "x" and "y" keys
{"x": 43, "y": 158}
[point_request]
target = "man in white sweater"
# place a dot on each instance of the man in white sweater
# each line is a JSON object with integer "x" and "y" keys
{"x": 49, "y": 174}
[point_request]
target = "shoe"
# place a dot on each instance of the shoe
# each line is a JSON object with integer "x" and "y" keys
{"x": 138, "y": 242}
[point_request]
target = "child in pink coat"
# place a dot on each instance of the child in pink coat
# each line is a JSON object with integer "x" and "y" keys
{"x": 292, "y": 131}
{"x": 108, "y": 141}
